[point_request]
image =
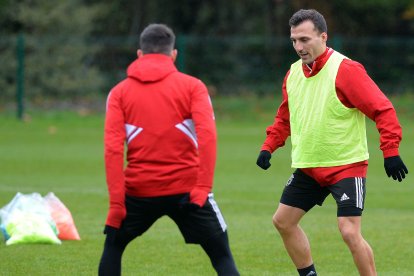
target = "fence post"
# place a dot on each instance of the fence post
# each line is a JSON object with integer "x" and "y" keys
{"x": 337, "y": 43}
{"x": 181, "y": 44}
{"x": 20, "y": 76}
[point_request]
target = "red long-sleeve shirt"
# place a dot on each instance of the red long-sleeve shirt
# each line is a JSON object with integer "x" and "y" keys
{"x": 355, "y": 89}
{"x": 166, "y": 120}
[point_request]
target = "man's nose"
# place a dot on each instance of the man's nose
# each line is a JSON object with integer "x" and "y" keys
{"x": 298, "y": 46}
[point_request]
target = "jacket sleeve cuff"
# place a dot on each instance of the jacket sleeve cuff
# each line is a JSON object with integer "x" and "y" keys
{"x": 199, "y": 196}
{"x": 390, "y": 152}
{"x": 115, "y": 217}
{"x": 266, "y": 147}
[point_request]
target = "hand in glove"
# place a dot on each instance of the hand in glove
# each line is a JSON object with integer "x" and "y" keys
{"x": 395, "y": 168}
{"x": 263, "y": 159}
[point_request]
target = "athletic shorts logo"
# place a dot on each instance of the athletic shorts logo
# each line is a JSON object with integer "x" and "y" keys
{"x": 290, "y": 180}
{"x": 344, "y": 197}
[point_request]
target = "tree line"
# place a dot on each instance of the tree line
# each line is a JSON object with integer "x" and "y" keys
{"x": 81, "y": 47}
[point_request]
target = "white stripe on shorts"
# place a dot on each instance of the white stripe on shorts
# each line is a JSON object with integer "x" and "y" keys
{"x": 359, "y": 191}
{"x": 217, "y": 210}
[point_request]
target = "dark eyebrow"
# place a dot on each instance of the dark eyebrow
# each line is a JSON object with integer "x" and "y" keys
{"x": 300, "y": 38}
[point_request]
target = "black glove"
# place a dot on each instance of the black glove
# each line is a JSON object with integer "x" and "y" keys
{"x": 395, "y": 167}
{"x": 186, "y": 205}
{"x": 263, "y": 159}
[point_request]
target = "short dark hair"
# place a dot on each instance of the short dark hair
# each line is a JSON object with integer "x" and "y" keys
{"x": 157, "y": 38}
{"x": 312, "y": 15}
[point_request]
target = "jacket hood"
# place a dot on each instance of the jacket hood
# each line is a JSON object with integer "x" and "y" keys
{"x": 151, "y": 68}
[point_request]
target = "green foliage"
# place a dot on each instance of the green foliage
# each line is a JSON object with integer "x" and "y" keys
{"x": 249, "y": 17}
{"x": 57, "y": 58}
{"x": 82, "y": 47}
{"x": 376, "y": 17}
{"x": 9, "y": 69}
{"x": 57, "y": 17}
{"x": 63, "y": 152}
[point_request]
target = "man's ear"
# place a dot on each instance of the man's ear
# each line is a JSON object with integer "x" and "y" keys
{"x": 174, "y": 54}
{"x": 140, "y": 53}
{"x": 324, "y": 37}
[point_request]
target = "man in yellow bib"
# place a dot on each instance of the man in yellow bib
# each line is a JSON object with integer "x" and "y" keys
{"x": 326, "y": 97}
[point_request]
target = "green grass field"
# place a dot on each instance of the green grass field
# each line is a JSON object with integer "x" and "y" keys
{"x": 62, "y": 152}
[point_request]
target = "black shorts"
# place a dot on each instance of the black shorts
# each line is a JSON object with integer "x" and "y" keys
{"x": 302, "y": 191}
{"x": 196, "y": 226}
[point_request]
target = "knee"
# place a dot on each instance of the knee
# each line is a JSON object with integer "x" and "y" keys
{"x": 350, "y": 236}
{"x": 280, "y": 224}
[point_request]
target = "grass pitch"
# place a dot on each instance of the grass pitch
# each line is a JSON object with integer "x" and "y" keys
{"x": 62, "y": 152}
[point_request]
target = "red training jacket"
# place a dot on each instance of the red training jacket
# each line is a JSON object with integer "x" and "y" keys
{"x": 355, "y": 89}
{"x": 165, "y": 119}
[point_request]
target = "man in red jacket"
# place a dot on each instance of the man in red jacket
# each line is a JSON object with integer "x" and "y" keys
{"x": 166, "y": 120}
{"x": 325, "y": 99}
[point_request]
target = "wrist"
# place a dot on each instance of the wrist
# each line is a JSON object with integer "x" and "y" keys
{"x": 266, "y": 148}
{"x": 390, "y": 152}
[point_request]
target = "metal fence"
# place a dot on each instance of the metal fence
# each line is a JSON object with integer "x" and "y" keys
{"x": 65, "y": 66}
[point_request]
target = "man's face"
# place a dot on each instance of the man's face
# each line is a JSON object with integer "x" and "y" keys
{"x": 307, "y": 41}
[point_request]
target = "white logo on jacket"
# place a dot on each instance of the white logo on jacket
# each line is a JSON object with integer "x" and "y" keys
{"x": 187, "y": 127}
{"x": 131, "y": 132}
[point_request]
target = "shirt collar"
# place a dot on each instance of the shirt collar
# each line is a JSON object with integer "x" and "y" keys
{"x": 312, "y": 69}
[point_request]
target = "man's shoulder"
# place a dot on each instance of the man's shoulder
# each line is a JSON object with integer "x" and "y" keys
{"x": 348, "y": 64}
{"x": 119, "y": 85}
{"x": 186, "y": 76}
{"x": 187, "y": 79}
{"x": 346, "y": 61}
